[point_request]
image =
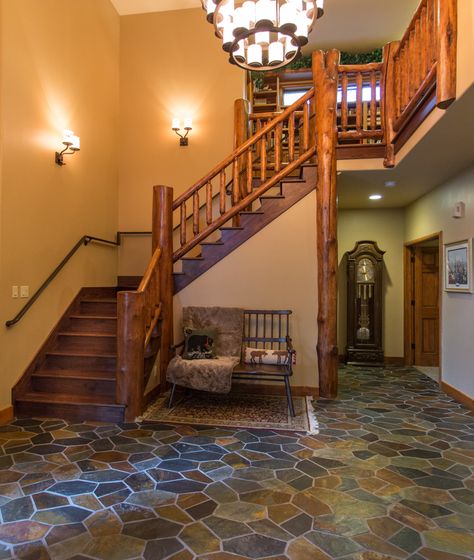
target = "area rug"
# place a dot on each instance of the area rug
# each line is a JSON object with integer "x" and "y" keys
{"x": 236, "y": 410}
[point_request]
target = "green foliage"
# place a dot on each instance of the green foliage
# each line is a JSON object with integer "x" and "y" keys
{"x": 304, "y": 62}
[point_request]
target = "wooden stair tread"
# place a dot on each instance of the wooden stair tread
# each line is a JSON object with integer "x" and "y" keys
{"x": 77, "y": 400}
{"x": 87, "y": 334}
{"x": 198, "y": 258}
{"x": 231, "y": 228}
{"x": 98, "y": 300}
{"x": 251, "y": 212}
{"x": 77, "y": 374}
{"x": 87, "y": 353}
{"x": 272, "y": 197}
{"x": 211, "y": 243}
{"x": 100, "y": 317}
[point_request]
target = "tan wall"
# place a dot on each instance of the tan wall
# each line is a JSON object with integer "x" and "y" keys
{"x": 171, "y": 64}
{"x": 430, "y": 214}
{"x": 59, "y": 64}
{"x": 387, "y": 228}
{"x": 275, "y": 269}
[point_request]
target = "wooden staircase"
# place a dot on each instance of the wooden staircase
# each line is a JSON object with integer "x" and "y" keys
{"x": 287, "y": 193}
{"x": 73, "y": 375}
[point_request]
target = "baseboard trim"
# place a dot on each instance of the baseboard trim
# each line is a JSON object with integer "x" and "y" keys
{"x": 261, "y": 389}
{"x": 458, "y": 395}
{"x": 388, "y": 360}
{"x": 394, "y": 360}
{"x": 6, "y": 415}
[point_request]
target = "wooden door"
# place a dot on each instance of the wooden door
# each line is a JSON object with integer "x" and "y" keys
{"x": 426, "y": 308}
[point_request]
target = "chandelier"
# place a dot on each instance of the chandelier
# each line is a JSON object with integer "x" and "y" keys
{"x": 263, "y": 34}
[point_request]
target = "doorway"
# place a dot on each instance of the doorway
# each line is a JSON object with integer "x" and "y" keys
{"x": 423, "y": 304}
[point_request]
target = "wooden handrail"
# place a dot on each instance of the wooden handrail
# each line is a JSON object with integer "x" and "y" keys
{"x": 241, "y": 149}
{"x": 243, "y": 204}
{"x": 152, "y": 265}
{"x": 354, "y": 68}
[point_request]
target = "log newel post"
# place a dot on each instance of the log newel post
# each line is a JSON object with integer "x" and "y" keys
{"x": 130, "y": 353}
{"x": 387, "y": 95}
{"x": 163, "y": 238}
{"x": 447, "y": 49}
{"x": 325, "y": 76}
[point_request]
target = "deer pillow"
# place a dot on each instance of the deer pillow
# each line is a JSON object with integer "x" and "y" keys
{"x": 268, "y": 356}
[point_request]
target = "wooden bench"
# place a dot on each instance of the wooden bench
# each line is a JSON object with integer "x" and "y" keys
{"x": 266, "y": 331}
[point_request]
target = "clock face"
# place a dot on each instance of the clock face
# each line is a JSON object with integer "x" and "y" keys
{"x": 365, "y": 271}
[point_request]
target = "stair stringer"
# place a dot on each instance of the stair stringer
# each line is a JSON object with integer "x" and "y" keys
{"x": 251, "y": 223}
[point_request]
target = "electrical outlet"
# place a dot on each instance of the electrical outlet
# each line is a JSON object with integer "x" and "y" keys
{"x": 14, "y": 291}
{"x": 24, "y": 291}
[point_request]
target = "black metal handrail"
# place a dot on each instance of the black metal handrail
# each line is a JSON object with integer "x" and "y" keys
{"x": 84, "y": 240}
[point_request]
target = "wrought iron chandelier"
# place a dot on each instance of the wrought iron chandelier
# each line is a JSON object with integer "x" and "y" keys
{"x": 263, "y": 34}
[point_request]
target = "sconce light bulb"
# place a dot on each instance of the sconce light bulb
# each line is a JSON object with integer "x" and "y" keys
{"x": 188, "y": 124}
{"x": 76, "y": 143}
{"x": 175, "y": 124}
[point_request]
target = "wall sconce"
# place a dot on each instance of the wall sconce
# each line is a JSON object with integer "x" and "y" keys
{"x": 71, "y": 143}
{"x": 176, "y": 126}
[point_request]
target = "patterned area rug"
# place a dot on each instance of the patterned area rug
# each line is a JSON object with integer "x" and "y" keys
{"x": 236, "y": 410}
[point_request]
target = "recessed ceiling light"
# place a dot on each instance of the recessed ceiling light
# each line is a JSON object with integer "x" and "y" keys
{"x": 390, "y": 184}
{"x": 375, "y": 196}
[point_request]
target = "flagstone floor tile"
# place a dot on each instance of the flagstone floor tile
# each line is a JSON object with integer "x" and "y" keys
{"x": 389, "y": 475}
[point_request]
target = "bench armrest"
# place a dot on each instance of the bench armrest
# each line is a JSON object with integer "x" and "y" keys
{"x": 175, "y": 347}
{"x": 289, "y": 345}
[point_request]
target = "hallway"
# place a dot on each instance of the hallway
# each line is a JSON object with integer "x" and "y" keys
{"x": 390, "y": 475}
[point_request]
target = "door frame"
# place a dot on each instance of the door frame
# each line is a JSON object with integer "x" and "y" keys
{"x": 408, "y": 296}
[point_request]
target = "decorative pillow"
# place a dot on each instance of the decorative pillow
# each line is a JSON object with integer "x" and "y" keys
{"x": 199, "y": 344}
{"x": 257, "y": 356}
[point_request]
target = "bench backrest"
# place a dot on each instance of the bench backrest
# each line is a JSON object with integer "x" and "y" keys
{"x": 264, "y": 328}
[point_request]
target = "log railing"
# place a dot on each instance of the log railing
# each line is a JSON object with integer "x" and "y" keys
{"x": 285, "y": 158}
{"x": 415, "y": 61}
{"x": 360, "y": 103}
{"x": 138, "y": 313}
{"x": 144, "y": 316}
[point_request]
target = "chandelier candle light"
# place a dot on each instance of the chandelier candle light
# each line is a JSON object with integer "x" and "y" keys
{"x": 263, "y": 34}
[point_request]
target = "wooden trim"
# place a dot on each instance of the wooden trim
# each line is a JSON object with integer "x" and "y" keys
{"x": 427, "y": 104}
{"x": 447, "y": 49}
{"x": 360, "y": 151}
{"x": 394, "y": 360}
{"x": 6, "y": 415}
{"x": 458, "y": 395}
{"x": 266, "y": 389}
{"x": 409, "y": 295}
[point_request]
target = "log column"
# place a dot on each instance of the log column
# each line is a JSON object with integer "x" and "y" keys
{"x": 325, "y": 75}
{"x": 388, "y": 104}
{"x": 163, "y": 237}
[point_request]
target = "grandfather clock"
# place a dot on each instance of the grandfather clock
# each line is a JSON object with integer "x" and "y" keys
{"x": 364, "y": 304}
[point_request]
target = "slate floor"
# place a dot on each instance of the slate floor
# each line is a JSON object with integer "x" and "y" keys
{"x": 390, "y": 476}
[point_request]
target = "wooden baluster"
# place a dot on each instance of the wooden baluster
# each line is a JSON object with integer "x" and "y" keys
{"x": 418, "y": 57}
{"x": 209, "y": 203}
{"x": 396, "y": 87}
{"x": 222, "y": 193}
{"x": 359, "y": 101}
{"x": 424, "y": 49}
{"x": 312, "y": 128}
{"x": 344, "y": 112}
{"x": 249, "y": 170}
{"x": 263, "y": 158}
{"x": 291, "y": 137}
{"x": 235, "y": 190}
{"x": 412, "y": 56}
{"x": 305, "y": 141}
{"x": 277, "y": 137}
{"x": 403, "y": 77}
{"x": 373, "y": 100}
{"x": 433, "y": 27}
{"x": 446, "y": 70}
{"x": 196, "y": 212}
{"x": 182, "y": 225}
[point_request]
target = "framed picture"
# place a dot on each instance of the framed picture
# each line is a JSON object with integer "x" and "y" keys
{"x": 458, "y": 266}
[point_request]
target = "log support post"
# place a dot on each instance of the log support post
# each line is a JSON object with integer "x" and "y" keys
{"x": 163, "y": 238}
{"x": 130, "y": 353}
{"x": 325, "y": 76}
{"x": 447, "y": 43}
{"x": 387, "y": 95}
